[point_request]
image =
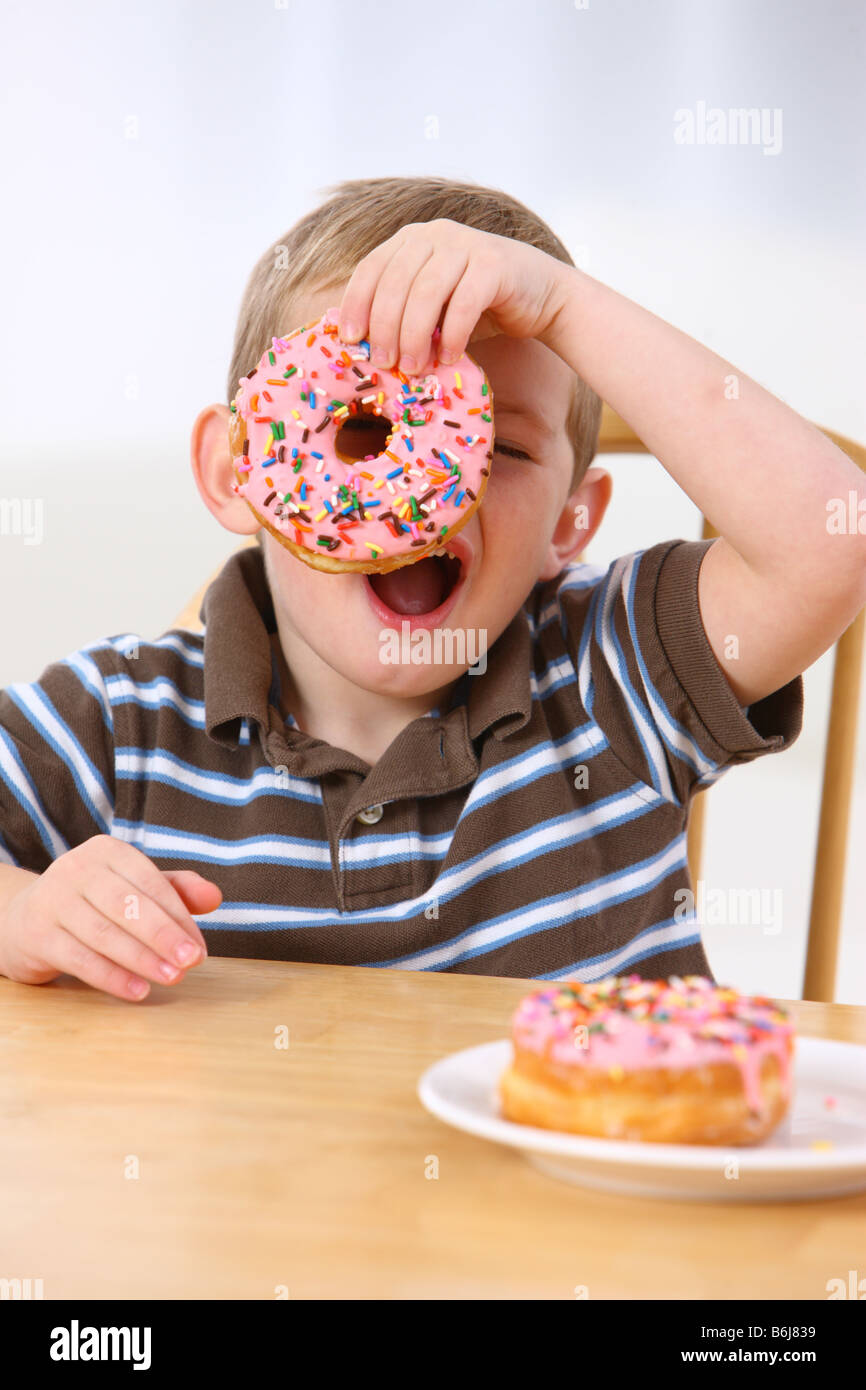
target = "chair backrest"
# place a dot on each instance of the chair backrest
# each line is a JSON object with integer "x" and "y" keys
{"x": 825, "y": 915}
{"x": 828, "y": 880}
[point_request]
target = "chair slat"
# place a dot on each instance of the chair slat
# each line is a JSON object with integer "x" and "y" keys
{"x": 828, "y": 881}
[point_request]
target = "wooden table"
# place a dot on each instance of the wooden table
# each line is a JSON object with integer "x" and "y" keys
{"x": 304, "y": 1167}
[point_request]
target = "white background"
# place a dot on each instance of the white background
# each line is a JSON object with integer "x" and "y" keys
{"x": 125, "y": 259}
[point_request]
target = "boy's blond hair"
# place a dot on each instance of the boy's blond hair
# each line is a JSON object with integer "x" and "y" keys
{"x": 324, "y": 247}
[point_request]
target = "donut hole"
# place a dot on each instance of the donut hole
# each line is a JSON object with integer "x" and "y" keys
{"x": 360, "y": 435}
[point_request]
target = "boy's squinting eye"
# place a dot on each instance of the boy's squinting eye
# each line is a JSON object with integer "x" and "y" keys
{"x": 510, "y": 450}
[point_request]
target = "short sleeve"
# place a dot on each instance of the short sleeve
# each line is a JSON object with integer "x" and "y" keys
{"x": 648, "y": 676}
{"x": 57, "y": 761}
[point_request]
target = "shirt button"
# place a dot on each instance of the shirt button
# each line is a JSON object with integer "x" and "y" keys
{"x": 371, "y": 815}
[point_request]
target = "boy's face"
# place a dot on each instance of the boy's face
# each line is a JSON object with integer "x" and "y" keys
{"x": 523, "y": 531}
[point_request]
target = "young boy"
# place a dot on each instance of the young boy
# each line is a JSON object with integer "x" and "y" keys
{"x": 276, "y": 779}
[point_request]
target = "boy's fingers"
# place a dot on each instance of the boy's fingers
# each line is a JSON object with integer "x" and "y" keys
{"x": 428, "y": 294}
{"x": 471, "y": 296}
{"x": 85, "y": 920}
{"x": 198, "y": 894}
{"x": 130, "y": 863}
{"x": 358, "y": 294}
{"x": 73, "y": 957}
{"x": 138, "y": 915}
{"x": 389, "y": 300}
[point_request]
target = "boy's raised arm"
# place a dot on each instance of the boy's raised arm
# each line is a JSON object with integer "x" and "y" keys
{"x": 782, "y": 583}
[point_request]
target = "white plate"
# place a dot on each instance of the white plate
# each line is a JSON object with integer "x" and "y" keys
{"x": 819, "y": 1149}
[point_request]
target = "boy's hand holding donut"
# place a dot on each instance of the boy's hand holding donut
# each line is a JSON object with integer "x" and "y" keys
{"x": 366, "y": 450}
{"x": 490, "y": 284}
{"x": 106, "y": 914}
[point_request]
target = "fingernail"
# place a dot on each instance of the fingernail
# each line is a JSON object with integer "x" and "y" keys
{"x": 186, "y": 952}
{"x": 349, "y": 332}
{"x": 378, "y": 356}
{"x": 408, "y": 362}
{"x": 448, "y": 357}
{"x": 168, "y": 972}
{"x": 138, "y": 988}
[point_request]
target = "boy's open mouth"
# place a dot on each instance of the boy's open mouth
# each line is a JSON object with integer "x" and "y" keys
{"x": 419, "y": 589}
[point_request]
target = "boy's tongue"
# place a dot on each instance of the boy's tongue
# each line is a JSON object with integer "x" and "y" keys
{"x": 412, "y": 589}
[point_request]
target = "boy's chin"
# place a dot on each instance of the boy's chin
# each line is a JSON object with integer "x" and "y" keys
{"x": 397, "y": 677}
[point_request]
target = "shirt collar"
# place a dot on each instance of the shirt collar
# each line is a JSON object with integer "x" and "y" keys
{"x": 501, "y": 698}
{"x": 238, "y": 614}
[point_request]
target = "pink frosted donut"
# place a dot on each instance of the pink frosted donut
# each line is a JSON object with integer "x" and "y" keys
{"x": 677, "y": 1060}
{"x": 353, "y": 468}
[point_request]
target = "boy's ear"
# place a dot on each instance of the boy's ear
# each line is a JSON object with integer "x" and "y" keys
{"x": 579, "y": 520}
{"x": 211, "y": 459}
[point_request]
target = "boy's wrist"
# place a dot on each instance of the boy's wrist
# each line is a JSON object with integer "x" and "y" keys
{"x": 564, "y": 294}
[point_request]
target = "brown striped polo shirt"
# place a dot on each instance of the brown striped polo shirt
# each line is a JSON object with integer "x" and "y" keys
{"x": 535, "y": 828}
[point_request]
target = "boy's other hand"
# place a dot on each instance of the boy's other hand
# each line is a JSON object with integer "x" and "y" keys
{"x": 477, "y": 283}
{"x": 106, "y": 914}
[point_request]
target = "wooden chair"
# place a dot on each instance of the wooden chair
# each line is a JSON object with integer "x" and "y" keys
{"x": 819, "y": 980}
